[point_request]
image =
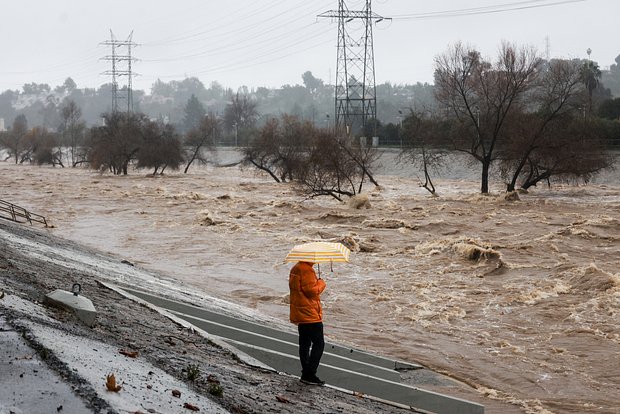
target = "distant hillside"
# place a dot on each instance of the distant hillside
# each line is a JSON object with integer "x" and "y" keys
{"x": 313, "y": 100}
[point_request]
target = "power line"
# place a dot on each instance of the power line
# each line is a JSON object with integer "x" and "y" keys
{"x": 267, "y": 54}
{"x": 222, "y": 28}
{"x": 498, "y": 8}
{"x": 235, "y": 46}
{"x": 254, "y": 35}
{"x": 258, "y": 34}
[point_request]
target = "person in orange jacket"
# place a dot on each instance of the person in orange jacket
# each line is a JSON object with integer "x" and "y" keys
{"x": 307, "y": 314}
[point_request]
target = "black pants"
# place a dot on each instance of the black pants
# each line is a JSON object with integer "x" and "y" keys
{"x": 310, "y": 335}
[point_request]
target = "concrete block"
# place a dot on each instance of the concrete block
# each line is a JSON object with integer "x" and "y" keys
{"x": 78, "y": 304}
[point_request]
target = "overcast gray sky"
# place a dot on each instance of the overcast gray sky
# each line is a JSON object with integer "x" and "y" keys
{"x": 272, "y": 42}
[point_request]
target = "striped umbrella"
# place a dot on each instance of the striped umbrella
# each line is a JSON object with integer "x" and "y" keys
{"x": 319, "y": 252}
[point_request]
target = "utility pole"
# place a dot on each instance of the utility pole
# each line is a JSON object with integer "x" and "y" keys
{"x": 355, "y": 100}
{"x": 118, "y": 71}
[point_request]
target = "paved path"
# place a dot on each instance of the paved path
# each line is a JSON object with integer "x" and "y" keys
{"x": 341, "y": 367}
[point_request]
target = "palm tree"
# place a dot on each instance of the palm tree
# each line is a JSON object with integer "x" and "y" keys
{"x": 590, "y": 76}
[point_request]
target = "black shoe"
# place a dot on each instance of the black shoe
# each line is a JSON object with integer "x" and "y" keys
{"x": 312, "y": 380}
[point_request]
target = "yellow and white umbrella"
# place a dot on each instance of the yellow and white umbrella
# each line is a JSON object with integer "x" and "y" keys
{"x": 319, "y": 252}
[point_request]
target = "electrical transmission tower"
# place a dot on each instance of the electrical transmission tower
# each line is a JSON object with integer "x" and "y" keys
{"x": 121, "y": 66}
{"x": 356, "y": 102}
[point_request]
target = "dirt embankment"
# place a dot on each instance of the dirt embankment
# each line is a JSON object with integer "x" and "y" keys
{"x": 134, "y": 328}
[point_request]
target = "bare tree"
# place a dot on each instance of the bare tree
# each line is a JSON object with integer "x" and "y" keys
{"x": 364, "y": 156}
{"x": 240, "y": 114}
{"x": 296, "y": 137}
{"x": 329, "y": 171}
{"x": 336, "y": 167}
{"x": 263, "y": 151}
{"x": 423, "y": 144}
{"x": 201, "y": 138}
{"x": 280, "y": 148}
{"x": 533, "y": 130}
{"x": 72, "y": 128}
{"x": 14, "y": 139}
{"x": 480, "y": 95}
{"x": 44, "y": 148}
{"x": 314, "y": 159}
{"x": 572, "y": 149}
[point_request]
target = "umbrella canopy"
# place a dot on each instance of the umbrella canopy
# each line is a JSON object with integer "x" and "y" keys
{"x": 319, "y": 252}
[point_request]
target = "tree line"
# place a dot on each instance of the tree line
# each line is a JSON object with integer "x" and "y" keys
{"x": 288, "y": 149}
{"x": 518, "y": 116}
{"x": 311, "y": 100}
{"x": 529, "y": 119}
{"x": 526, "y": 119}
{"x": 126, "y": 138}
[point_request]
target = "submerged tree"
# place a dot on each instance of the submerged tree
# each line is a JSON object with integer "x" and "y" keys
{"x": 72, "y": 129}
{"x": 13, "y": 141}
{"x": 365, "y": 156}
{"x": 336, "y": 167}
{"x": 549, "y": 137}
{"x": 423, "y": 144}
{"x": 280, "y": 147}
{"x": 161, "y": 148}
{"x": 200, "y": 139}
{"x": 532, "y": 130}
{"x": 314, "y": 159}
{"x": 521, "y": 112}
{"x": 43, "y": 147}
{"x": 479, "y": 96}
{"x": 580, "y": 156}
{"x": 116, "y": 144}
{"x": 128, "y": 138}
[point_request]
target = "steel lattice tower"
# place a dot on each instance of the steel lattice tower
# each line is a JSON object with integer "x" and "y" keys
{"x": 116, "y": 72}
{"x": 356, "y": 102}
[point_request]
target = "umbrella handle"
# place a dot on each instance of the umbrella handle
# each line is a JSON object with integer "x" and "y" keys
{"x": 318, "y": 265}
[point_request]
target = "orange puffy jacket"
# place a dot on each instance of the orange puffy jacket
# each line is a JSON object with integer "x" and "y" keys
{"x": 305, "y": 298}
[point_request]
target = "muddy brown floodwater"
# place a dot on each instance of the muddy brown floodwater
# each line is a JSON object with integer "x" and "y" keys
{"x": 519, "y": 299}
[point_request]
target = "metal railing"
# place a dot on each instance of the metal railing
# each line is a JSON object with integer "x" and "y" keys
{"x": 19, "y": 214}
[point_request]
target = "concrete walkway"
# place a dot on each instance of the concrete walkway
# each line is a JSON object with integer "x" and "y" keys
{"x": 27, "y": 384}
{"x": 74, "y": 383}
{"x": 341, "y": 367}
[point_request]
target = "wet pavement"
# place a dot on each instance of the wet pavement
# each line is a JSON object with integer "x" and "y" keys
{"x": 27, "y": 384}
